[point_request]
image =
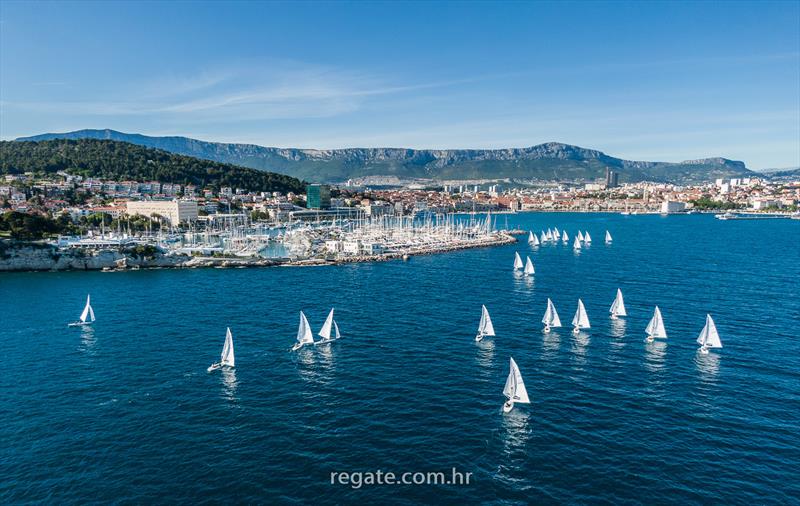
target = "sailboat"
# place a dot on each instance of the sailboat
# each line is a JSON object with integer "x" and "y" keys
{"x": 581, "y": 320}
{"x": 485, "y": 327}
{"x": 565, "y": 237}
{"x": 529, "y": 270}
{"x": 556, "y": 234}
{"x": 515, "y": 389}
{"x": 618, "y": 306}
{"x": 304, "y": 334}
{"x": 580, "y": 236}
{"x": 709, "y": 337}
{"x": 535, "y": 241}
{"x": 517, "y": 262}
{"x": 577, "y": 244}
{"x": 325, "y": 331}
{"x": 543, "y": 237}
{"x": 551, "y": 318}
{"x": 609, "y": 240}
{"x": 531, "y": 237}
{"x": 549, "y": 235}
{"x": 655, "y": 329}
{"x": 87, "y": 316}
{"x": 227, "y": 358}
{"x": 587, "y": 238}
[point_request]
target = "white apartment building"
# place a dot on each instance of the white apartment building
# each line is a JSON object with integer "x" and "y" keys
{"x": 176, "y": 211}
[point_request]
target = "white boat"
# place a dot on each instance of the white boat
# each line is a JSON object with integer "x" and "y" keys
{"x": 581, "y": 320}
{"x": 304, "y": 334}
{"x": 550, "y": 318}
{"x": 556, "y": 234}
{"x": 579, "y": 236}
{"x": 543, "y": 237}
{"x": 587, "y": 238}
{"x": 517, "y": 262}
{"x": 577, "y": 244}
{"x": 618, "y": 306}
{"x": 535, "y": 241}
{"x": 327, "y": 327}
{"x": 655, "y": 329}
{"x": 87, "y": 316}
{"x": 227, "y": 358}
{"x": 514, "y": 390}
{"x": 549, "y": 235}
{"x": 529, "y": 270}
{"x": 565, "y": 237}
{"x": 531, "y": 237}
{"x": 485, "y": 327}
{"x": 609, "y": 240}
{"x": 709, "y": 337}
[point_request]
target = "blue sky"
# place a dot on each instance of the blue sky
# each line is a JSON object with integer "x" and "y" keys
{"x": 648, "y": 81}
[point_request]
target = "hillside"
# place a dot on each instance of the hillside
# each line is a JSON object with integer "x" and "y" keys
{"x": 551, "y": 161}
{"x": 123, "y": 161}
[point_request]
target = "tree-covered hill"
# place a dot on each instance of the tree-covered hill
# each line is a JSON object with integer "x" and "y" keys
{"x": 122, "y": 161}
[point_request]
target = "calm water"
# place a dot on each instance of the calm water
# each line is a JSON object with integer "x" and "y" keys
{"x": 126, "y": 411}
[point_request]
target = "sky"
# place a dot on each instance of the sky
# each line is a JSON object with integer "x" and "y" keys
{"x": 655, "y": 81}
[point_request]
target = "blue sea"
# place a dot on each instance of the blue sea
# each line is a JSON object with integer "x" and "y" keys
{"x": 126, "y": 412}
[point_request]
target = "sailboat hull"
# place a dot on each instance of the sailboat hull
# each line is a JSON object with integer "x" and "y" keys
{"x": 508, "y": 406}
{"x": 479, "y": 338}
{"x": 78, "y": 324}
{"x": 214, "y": 367}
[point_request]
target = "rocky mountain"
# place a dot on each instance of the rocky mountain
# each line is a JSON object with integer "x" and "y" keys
{"x": 550, "y": 161}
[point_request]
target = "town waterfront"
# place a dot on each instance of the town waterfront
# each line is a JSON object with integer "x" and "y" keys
{"x": 125, "y": 411}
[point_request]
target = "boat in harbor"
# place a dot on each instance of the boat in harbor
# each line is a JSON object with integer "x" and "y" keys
{"x": 485, "y": 327}
{"x": 579, "y": 236}
{"x": 87, "y": 316}
{"x": 587, "y": 238}
{"x": 725, "y": 216}
{"x": 565, "y": 237}
{"x": 532, "y": 239}
{"x": 577, "y": 244}
{"x": 543, "y": 237}
{"x": 227, "y": 358}
{"x": 514, "y": 390}
{"x": 304, "y": 334}
{"x": 517, "y": 261}
{"x": 556, "y": 234}
{"x": 581, "y": 320}
{"x": 618, "y": 306}
{"x": 550, "y": 319}
{"x": 709, "y": 337}
{"x": 655, "y": 329}
{"x": 609, "y": 240}
{"x": 529, "y": 270}
{"x": 328, "y": 327}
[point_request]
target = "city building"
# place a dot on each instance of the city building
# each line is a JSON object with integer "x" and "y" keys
{"x": 670, "y": 207}
{"x": 318, "y": 196}
{"x": 175, "y": 211}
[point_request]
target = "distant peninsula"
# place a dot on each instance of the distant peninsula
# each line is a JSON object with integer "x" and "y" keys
{"x": 544, "y": 162}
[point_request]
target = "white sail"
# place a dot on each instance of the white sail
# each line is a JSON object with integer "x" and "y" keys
{"x": 485, "y": 328}
{"x": 543, "y": 237}
{"x": 581, "y": 319}
{"x": 556, "y": 234}
{"x": 535, "y": 241}
{"x": 608, "y": 237}
{"x": 517, "y": 261}
{"x": 709, "y": 337}
{"x": 656, "y": 326}
{"x": 587, "y": 238}
{"x": 304, "y": 334}
{"x": 529, "y": 270}
{"x": 549, "y": 235}
{"x": 576, "y": 244}
{"x": 551, "y": 315}
{"x": 227, "y": 357}
{"x": 531, "y": 237}
{"x": 325, "y": 331}
{"x": 618, "y": 306}
{"x": 565, "y": 237}
{"x": 515, "y": 387}
{"x": 88, "y": 312}
{"x": 580, "y": 236}
{"x": 336, "y": 334}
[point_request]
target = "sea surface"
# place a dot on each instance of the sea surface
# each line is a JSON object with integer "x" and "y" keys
{"x": 126, "y": 412}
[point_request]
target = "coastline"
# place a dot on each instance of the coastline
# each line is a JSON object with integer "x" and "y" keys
{"x": 44, "y": 257}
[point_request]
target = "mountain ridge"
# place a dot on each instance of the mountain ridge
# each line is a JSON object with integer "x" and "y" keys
{"x": 547, "y": 161}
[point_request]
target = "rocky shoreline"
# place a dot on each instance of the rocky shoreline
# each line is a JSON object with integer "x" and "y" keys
{"x": 24, "y": 257}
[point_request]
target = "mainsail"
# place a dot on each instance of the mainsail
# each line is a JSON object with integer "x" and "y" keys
{"x": 577, "y": 243}
{"x": 709, "y": 337}
{"x": 551, "y": 315}
{"x": 227, "y": 357}
{"x": 515, "y": 387}
{"x": 580, "y": 236}
{"x": 608, "y": 237}
{"x": 485, "y": 328}
{"x": 618, "y": 306}
{"x": 581, "y": 319}
{"x": 529, "y": 270}
{"x": 517, "y": 261}
{"x": 88, "y": 312}
{"x": 325, "y": 331}
{"x": 304, "y": 334}
{"x": 656, "y": 326}
{"x": 586, "y": 237}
